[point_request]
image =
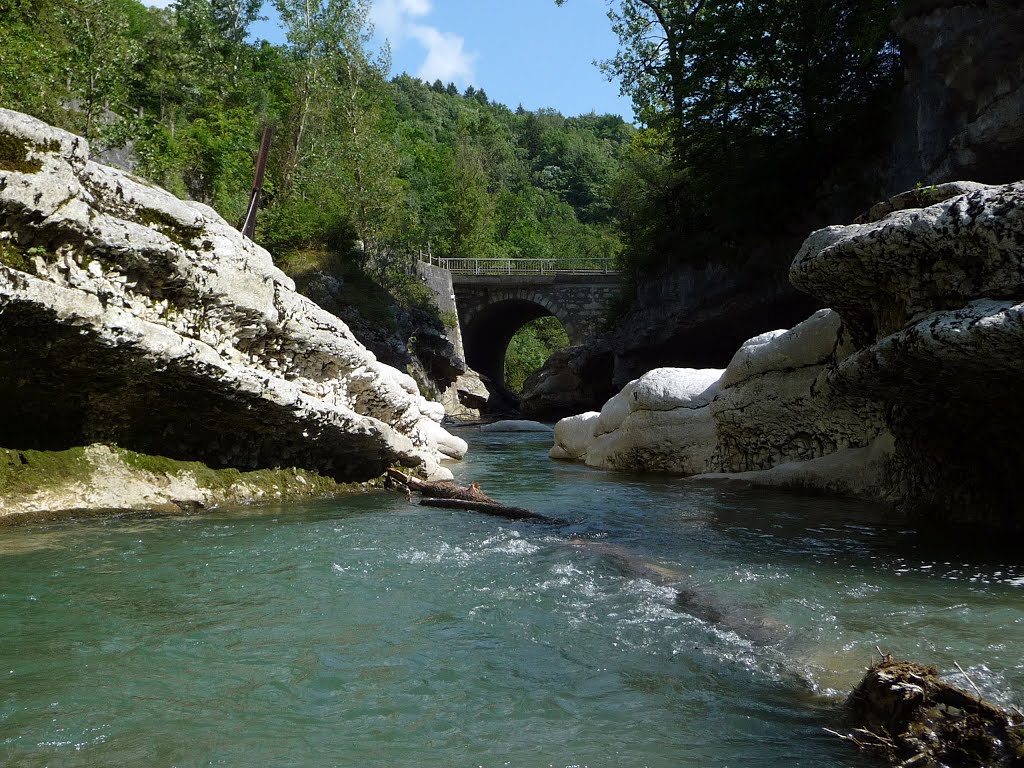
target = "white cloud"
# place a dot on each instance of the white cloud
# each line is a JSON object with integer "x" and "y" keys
{"x": 393, "y": 17}
{"x": 446, "y": 56}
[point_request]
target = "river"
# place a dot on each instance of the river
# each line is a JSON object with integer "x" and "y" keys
{"x": 368, "y": 632}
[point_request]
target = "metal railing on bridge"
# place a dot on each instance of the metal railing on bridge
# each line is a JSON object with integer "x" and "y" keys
{"x": 525, "y": 266}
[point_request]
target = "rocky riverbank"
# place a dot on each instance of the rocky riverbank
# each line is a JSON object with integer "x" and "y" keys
{"x": 97, "y": 479}
{"x": 129, "y": 317}
{"x": 905, "y": 391}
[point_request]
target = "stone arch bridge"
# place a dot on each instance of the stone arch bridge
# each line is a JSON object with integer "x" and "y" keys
{"x": 494, "y": 298}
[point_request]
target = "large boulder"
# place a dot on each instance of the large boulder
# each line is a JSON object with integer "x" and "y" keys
{"x": 129, "y": 316}
{"x": 776, "y": 404}
{"x": 572, "y": 380}
{"x": 906, "y": 391}
{"x": 466, "y": 397}
{"x": 882, "y": 275}
{"x": 659, "y": 422}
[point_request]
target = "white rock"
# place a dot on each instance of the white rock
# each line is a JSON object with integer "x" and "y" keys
{"x": 450, "y": 445}
{"x": 659, "y": 422}
{"x": 573, "y": 436}
{"x": 662, "y": 389}
{"x": 158, "y": 310}
{"x": 809, "y": 343}
{"x": 857, "y": 472}
{"x": 679, "y": 441}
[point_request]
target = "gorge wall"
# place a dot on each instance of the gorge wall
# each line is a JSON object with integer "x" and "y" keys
{"x": 906, "y": 391}
{"x": 960, "y": 114}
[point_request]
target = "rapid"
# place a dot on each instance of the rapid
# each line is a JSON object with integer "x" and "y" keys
{"x": 662, "y": 623}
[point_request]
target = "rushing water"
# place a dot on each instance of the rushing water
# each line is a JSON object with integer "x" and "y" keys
{"x": 368, "y": 632}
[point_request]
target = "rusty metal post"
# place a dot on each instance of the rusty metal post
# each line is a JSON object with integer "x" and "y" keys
{"x": 249, "y": 227}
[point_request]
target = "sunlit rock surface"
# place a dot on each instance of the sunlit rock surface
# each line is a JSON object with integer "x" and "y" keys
{"x": 776, "y": 404}
{"x": 129, "y": 316}
{"x": 659, "y": 422}
{"x": 907, "y": 390}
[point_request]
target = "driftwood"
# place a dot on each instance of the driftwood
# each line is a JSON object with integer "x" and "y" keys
{"x": 441, "y": 489}
{"x": 906, "y": 714}
{"x": 448, "y": 495}
{"x": 500, "y": 510}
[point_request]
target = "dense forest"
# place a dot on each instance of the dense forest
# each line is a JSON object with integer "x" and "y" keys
{"x": 744, "y": 107}
{"x": 366, "y": 171}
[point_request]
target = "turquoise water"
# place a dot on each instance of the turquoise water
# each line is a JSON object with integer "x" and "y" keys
{"x": 368, "y": 632}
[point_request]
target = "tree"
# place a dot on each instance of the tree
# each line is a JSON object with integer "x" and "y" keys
{"x": 778, "y": 66}
{"x": 322, "y": 35}
{"x": 530, "y": 348}
{"x": 470, "y": 209}
{"x": 101, "y": 59}
{"x": 750, "y": 102}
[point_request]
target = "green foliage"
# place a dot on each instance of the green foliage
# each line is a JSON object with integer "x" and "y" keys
{"x": 748, "y": 106}
{"x": 530, "y": 348}
{"x": 483, "y": 181}
{"x": 364, "y": 172}
{"x": 450, "y": 319}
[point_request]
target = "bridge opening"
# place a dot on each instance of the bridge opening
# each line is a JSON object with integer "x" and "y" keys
{"x": 530, "y": 348}
{"x": 508, "y": 340}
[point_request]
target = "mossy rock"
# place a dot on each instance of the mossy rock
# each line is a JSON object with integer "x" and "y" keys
{"x": 14, "y": 154}
{"x": 283, "y": 482}
{"x": 167, "y": 225}
{"x": 27, "y": 475}
{"x": 25, "y": 472}
{"x": 14, "y": 257}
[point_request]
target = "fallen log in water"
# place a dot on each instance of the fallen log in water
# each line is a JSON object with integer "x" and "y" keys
{"x": 906, "y": 714}
{"x": 448, "y": 495}
{"x": 492, "y": 508}
{"x": 441, "y": 489}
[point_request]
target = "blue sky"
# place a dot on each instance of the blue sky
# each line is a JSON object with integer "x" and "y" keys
{"x": 527, "y": 52}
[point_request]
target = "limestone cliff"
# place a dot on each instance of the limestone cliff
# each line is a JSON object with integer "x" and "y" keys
{"x": 129, "y": 316}
{"x": 906, "y": 390}
{"x": 961, "y": 112}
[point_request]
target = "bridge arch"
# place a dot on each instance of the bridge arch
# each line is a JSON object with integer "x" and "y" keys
{"x": 494, "y": 298}
{"x": 488, "y": 327}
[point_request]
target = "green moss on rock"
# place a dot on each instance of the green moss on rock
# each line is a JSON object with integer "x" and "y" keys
{"x": 285, "y": 483}
{"x": 12, "y": 256}
{"x": 14, "y": 154}
{"x": 53, "y": 485}
{"x": 25, "y": 472}
{"x": 169, "y": 226}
